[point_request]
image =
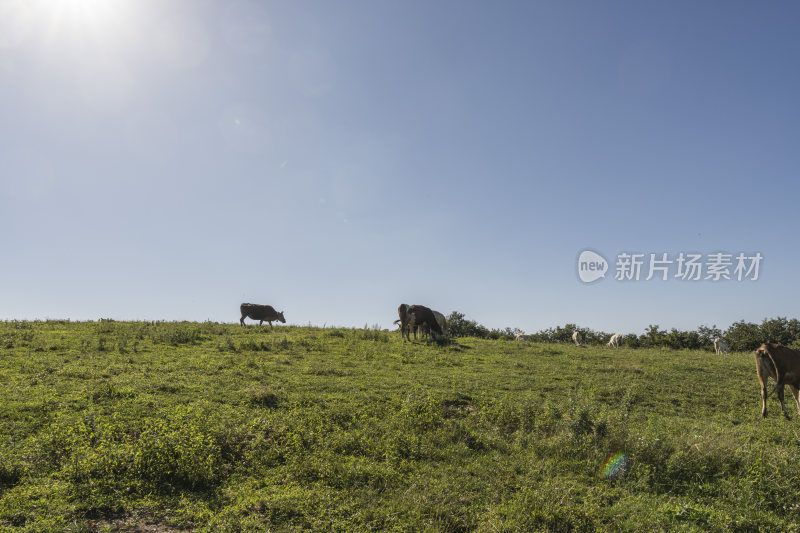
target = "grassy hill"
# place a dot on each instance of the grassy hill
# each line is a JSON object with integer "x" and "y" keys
{"x": 213, "y": 427}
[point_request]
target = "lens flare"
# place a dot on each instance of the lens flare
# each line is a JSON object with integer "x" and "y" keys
{"x": 616, "y": 465}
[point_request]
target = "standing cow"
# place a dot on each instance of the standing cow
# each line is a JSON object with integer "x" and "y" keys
{"x": 615, "y": 340}
{"x": 782, "y": 364}
{"x": 576, "y": 337}
{"x": 720, "y": 346}
{"x": 261, "y": 313}
{"x": 405, "y": 330}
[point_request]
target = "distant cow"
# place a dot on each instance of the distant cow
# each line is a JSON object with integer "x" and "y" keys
{"x": 720, "y": 346}
{"x": 261, "y": 313}
{"x": 521, "y": 337}
{"x": 405, "y": 332}
{"x": 442, "y": 321}
{"x": 615, "y": 340}
{"x": 420, "y": 316}
{"x": 577, "y": 338}
{"x": 782, "y": 364}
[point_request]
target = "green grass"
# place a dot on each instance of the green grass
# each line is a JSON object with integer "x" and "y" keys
{"x": 216, "y": 427}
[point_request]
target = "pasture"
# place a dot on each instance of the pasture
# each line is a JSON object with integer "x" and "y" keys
{"x": 122, "y": 426}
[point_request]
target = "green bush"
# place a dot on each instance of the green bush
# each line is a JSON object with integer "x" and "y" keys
{"x": 744, "y": 336}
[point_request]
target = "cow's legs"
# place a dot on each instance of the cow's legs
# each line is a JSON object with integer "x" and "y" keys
{"x": 412, "y": 328}
{"x": 780, "y": 398}
{"x": 763, "y": 399}
{"x": 270, "y": 323}
{"x": 241, "y": 320}
{"x": 796, "y": 394}
{"x": 260, "y": 322}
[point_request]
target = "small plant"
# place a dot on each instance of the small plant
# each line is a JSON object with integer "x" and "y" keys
{"x": 264, "y": 397}
{"x": 227, "y": 345}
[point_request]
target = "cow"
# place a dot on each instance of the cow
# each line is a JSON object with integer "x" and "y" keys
{"x": 720, "y": 346}
{"x": 782, "y": 364}
{"x": 261, "y": 313}
{"x": 577, "y": 338}
{"x": 615, "y": 340}
{"x": 521, "y": 337}
{"x": 442, "y": 321}
{"x": 420, "y": 316}
{"x": 405, "y": 333}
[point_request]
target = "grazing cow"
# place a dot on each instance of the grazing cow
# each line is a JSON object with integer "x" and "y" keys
{"x": 420, "y": 316}
{"x": 521, "y": 337}
{"x": 615, "y": 340}
{"x": 442, "y": 321}
{"x": 720, "y": 346}
{"x": 577, "y": 338}
{"x": 261, "y": 313}
{"x": 782, "y": 364}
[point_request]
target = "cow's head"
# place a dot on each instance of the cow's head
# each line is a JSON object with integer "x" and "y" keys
{"x": 762, "y": 351}
{"x": 280, "y": 317}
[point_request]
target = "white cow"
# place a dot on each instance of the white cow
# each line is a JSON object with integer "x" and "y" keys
{"x": 720, "y": 346}
{"x": 577, "y": 338}
{"x": 521, "y": 337}
{"x": 615, "y": 340}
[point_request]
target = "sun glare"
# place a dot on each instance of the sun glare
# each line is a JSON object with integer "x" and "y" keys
{"x": 91, "y": 16}
{"x": 62, "y": 21}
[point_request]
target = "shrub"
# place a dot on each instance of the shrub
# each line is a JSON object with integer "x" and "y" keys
{"x": 461, "y": 327}
{"x": 743, "y": 336}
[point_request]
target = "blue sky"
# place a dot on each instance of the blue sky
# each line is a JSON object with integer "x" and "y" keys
{"x": 168, "y": 160}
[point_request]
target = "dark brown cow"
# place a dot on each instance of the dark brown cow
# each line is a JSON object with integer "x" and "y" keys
{"x": 782, "y": 364}
{"x": 260, "y": 313}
